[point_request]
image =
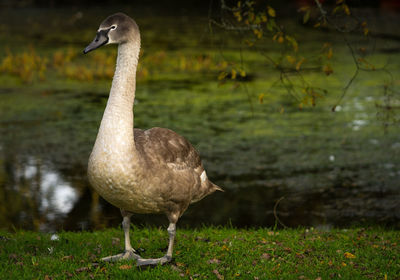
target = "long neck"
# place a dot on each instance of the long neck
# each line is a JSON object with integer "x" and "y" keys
{"x": 122, "y": 94}
{"x": 116, "y": 130}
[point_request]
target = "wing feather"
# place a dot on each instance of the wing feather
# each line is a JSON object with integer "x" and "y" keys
{"x": 164, "y": 146}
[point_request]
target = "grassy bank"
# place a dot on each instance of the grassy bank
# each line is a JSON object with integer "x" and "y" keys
{"x": 212, "y": 253}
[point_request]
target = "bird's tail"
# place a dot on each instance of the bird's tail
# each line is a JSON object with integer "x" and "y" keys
{"x": 207, "y": 187}
{"x": 215, "y": 187}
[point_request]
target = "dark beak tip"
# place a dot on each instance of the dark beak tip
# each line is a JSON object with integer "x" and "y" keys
{"x": 100, "y": 40}
{"x": 88, "y": 49}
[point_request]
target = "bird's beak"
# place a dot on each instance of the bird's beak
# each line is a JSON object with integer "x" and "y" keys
{"x": 100, "y": 40}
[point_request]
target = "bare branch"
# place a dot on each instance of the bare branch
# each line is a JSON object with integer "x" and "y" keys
{"x": 322, "y": 11}
{"x": 277, "y": 220}
{"x": 291, "y": 76}
{"x": 232, "y": 27}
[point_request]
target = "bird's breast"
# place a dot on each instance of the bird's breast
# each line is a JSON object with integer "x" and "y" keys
{"x": 118, "y": 182}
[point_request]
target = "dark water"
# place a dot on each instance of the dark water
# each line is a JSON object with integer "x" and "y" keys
{"x": 307, "y": 167}
{"x": 319, "y": 180}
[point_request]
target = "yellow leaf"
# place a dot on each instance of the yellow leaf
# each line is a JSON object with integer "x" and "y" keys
{"x": 261, "y": 98}
{"x": 67, "y": 258}
{"x": 249, "y": 43}
{"x": 326, "y": 45}
{"x": 298, "y": 65}
{"x": 329, "y": 54}
{"x": 304, "y": 8}
{"x": 349, "y": 255}
{"x": 263, "y": 241}
{"x": 125, "y": 266}
{"x": 281, "y": 40}
{"x": 271, "y": 11}
{"x": 233, "y": 74}
{"x": 344, "y": 264}
{"x": 224, "y": 247}
{"x": 293, "y": 42}
{"x": 238, "y": 16}
{"x": 306, "y": 16}
{"x": 291, "y": 59}
{"x": 318, "y": 24}
{"x": 336, "y": 9}
{"x": 224, "y": 64}
{"x": 242, "y": 73}
{"x": 222, "y": 76}
{"x": 263, "y": 17}
{"x": 346, "y": 9}
{"x": 327, "y": 69}
{"x": 251, "y": 16}
{"x": 258, "y": 33}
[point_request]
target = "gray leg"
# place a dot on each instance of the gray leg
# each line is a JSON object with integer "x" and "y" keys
{"x": 129, "y": 251}
{"x": 171, "y": 232}
{"x": 168, "y": 256}
{"x": 126, "y": 223}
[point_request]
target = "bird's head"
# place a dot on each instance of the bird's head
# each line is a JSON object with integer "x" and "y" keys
{"x": 115, "y": 29}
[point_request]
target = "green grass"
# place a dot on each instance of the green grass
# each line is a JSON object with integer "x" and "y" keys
{"x": 212, "y": 253}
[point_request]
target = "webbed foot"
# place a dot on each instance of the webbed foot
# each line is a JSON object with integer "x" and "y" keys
{"x": 163, "y": 260}
{"x": 127, "y": 255}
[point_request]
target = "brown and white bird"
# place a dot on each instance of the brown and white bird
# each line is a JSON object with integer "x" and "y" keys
{"x": 150, "y": 171}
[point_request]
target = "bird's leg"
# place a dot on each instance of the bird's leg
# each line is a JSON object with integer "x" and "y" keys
{"x": 126, "y": 222}
{"x": 171, "y": 232}
{"x": 168, "y": 256}
{"x": 129, "y": 253}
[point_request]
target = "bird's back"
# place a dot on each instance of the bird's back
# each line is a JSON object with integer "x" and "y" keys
{"x": 174, "y": 164}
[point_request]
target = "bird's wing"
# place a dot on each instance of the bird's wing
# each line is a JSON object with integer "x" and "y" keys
{"x": 164, "y": 146}
{"x": 166, "y": 152}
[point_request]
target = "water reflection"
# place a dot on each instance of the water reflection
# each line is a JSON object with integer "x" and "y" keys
{"x": 57, "y": 196}
{"x": 35, "y": 195}
{"x": 357, "y": 124}
{"x": 38, "y": 197}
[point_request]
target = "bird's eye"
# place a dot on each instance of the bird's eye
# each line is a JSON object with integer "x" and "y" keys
{"x": 113, "y": 27}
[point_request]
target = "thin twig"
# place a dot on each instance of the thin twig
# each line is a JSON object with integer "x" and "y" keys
{"x": 226, "y": 26}
{"x": 355, "y": 74}
{"x": 244, "y": 84}
{"x": 323, "y": 12}
{"x": 276, "y": 215}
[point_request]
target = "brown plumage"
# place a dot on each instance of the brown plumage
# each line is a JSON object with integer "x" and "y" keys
{"x": 151, "y": 171}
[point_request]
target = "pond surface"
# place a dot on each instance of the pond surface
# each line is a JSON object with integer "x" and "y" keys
{"x": 279, "y": 165}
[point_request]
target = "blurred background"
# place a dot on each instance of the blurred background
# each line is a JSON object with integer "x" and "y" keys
{"x": 298, "y": 121}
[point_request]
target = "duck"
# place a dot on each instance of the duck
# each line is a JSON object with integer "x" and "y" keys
{"x": 154, "y": 171}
